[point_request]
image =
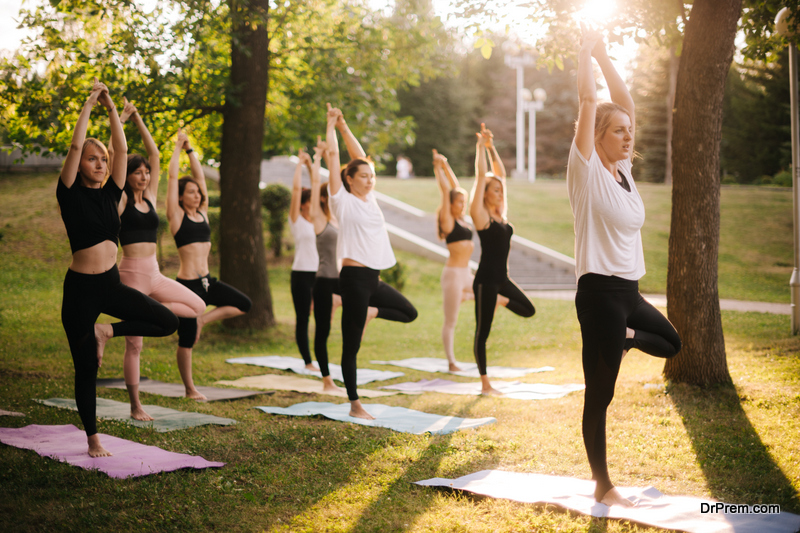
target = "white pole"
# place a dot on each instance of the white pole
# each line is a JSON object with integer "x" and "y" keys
{"x": 794, "y": 283}
{"x": 519, "y": 172}
{"x": 532, "y": 143}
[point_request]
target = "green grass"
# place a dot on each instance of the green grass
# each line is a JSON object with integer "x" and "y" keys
{"x": 755, "y": 257}
{"x": 737, "y": 444}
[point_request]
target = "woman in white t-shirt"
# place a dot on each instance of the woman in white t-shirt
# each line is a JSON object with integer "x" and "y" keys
{"x": 306, "y": 258}
{"x": 365, "y": 250}
{"x": 609, "y": 214}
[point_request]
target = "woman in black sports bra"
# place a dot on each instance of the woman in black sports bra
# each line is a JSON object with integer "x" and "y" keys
{"x": 139, "y": 266}
{"x": 88, "y": 198}
{"x": 187, "y": 212}
{"x": 488, "y": 210}
{"x": 456, "y": 277}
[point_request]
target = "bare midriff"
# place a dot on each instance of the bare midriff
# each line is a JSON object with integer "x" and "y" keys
{"x": 96, "y": 259}
{"x": 460, "y": 252}
{"x": 194, "y": 260}
{"x": 139, "y": 249}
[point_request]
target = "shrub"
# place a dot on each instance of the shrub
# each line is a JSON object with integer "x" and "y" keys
{"x": 783, "y": 178}
{"x": 395, "y": 276}
{"x": 276, "y": 199}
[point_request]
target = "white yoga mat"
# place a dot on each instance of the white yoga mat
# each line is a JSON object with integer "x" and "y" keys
{"x": 294, "y": 383}
{"x": 396, "y": 418}
{"x": 510, "y": 389}
{"x": 295, "y": 364}
{"x": 652, "y": 508}
{"x": 468, "y": 370}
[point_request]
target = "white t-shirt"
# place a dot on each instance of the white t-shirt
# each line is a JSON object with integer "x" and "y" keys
{"x": 362, "y": 230}
{"x": 608, "y": 219}
{"x": 306, "y": 258}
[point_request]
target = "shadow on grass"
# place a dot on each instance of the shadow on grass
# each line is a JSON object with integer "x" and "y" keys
{"x": 737, "y": 465}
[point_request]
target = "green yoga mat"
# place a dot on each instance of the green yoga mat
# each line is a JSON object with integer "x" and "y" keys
{"x": 165, "y": 419}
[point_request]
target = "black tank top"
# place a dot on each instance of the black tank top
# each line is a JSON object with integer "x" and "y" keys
{"x": 138, "y": 226}
{"x": 191, "y": 231}
{"x": 90, "y": 215}
{"x": 459, "y": 233}
{"x": 495, "y": 245}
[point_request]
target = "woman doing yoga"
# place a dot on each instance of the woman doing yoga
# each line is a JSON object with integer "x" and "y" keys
{"x": 609, "y": 214}
{"x": 488, "y": 210}
{"x": 187, "y": 212}
{"x": 306, "y": 258}
{"x": 88, "y": 199}
{"x": 364, "y": 248}
{"x": 139, "y": 266}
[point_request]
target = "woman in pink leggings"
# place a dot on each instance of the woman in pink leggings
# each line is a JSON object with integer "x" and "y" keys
{"x": 139, "y": 266}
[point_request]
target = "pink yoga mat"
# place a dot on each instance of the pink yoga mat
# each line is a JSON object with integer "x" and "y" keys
{"x": 68, "y": 445}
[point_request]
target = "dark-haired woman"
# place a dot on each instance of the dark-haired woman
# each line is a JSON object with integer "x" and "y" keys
{"x": 88, "y": 198}
{"x": 187, "y": 212}
{"x": 139, "y": 266}
{"x": 365, "y": 250}
{"x": 609, "y": 214}
{"x": 306, "y": 259}
{"x": 488, "y": 210}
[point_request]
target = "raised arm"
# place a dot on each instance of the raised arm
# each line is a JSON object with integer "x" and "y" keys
{"x": 119, "y": 165}
{"x": 498, "y": 169}
{"x": 334, "y": 165}
{"x": 174, "y": 211}
{"x": 153, "y": 155}
{"x": 587, "y": 93}
{"x": 354, "y": 148}
{"x": 619, "y": 92}
{"x": 477, "y": 210}
{"x": 72, "y": 162}
{"x": 446, "y": 221}
{"x": 197, "y": 173}
{"x": 297, "y": 186}
{"x": 318, "y": 217}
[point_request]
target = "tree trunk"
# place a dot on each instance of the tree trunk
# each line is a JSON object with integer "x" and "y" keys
{"x": 243, "y": 260}
{"x": 692, "y": 295}
{"x": 674, "y": 61}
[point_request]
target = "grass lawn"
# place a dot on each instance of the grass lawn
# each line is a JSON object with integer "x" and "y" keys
{"x": 755, "y": 258}
{"x": 737, "y": 444}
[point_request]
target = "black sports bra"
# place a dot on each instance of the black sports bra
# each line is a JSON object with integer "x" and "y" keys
{"x": 459, "y": 233}
{"x": 191, "y": 231}
{"x": 138, "y": 226}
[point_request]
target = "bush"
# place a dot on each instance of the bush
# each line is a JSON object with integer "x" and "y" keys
{"x": 276, "y": 199}
{"x": 783, "y": 178}
{"x": 214, "y": 199}
{"x": 395, "y": 276}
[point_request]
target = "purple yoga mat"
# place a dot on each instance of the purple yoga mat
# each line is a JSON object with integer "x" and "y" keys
{"x": 68, "y": 444}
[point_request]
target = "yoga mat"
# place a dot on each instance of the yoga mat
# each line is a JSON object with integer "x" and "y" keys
{"x": 468, "y": 370}
{"x": 652, "y": 508}
{"x": 177, "y": 390}
{"x": 396, "y": 418}
{"x": 296, "y": 365}
{"x": 165, "y": 419}
{"x": 292, "y": 383}
{"x": 130, "y": 459}
{"x": 510, "y": 389}
{"x": 3, "y": 412}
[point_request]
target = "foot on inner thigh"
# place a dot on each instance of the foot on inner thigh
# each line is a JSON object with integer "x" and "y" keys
{"x": 200, "y": 325}
{"x": 328, "y": 385}
{"x": 95, "y": 448}
{"x": 102, "y": 333}
{"x": 138, "y": 413}
{"x": 195, "y": 394}
{"x": 358, "y": 411}
{"x": 372, "y": 312}
{"x": 613, "y": 497}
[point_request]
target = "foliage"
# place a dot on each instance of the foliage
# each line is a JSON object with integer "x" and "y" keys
{"x": 395, "y": 276}
{"x": 276, "y": 199}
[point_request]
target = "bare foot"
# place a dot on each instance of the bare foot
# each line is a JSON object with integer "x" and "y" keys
{"x": 95, "y": 448}
{"x": 613, "y": 497}
{"x": 200, "y": 325}
{"x": 137, "y": 413}
{"x": 328, "y": 385}
{"x": 454, "y": 367}
{"x": 102, "y": 332}
{"x": 195, "y": 394}
{"x": 358, "y": 411}
{"x": 491, "y": 391}
{"x": 501, "y": 301}
{"x": 311, "y": 367}
{"x": 372, "y": 312}
{"x": 629, "y": 334}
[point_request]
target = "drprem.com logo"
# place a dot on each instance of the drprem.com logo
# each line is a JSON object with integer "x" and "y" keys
{"x": 728, "y": 508}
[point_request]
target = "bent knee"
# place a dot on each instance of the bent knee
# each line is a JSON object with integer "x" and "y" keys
{"x": 133, "y": 346}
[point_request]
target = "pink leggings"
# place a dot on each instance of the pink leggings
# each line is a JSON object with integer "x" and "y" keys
{"x": 456, "y": 287}
{"x": 142, "y": 274}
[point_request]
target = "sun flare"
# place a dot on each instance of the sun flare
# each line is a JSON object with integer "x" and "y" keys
{"x": 597, "y": 11}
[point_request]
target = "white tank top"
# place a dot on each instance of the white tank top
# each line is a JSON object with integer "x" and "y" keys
{"x": 362, "y": 230}
{"x": 306, "y": 258}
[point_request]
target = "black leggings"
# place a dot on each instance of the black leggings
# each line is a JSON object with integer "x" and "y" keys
{"x": 86, "y": 296}
{"x": 213, "y": 292}
{"x": 324, "y": 289}
{"x": 302, "y": 283}
{"x": 485, "y": 303}
{"x": 362, "y": 288}
{"x": 606, "y": 306}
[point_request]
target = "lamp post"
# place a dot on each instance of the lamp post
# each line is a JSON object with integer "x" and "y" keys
{"x": 532, "y": 106}
{"x": 519, "y": 61}
{"x": 782, "y": 26}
